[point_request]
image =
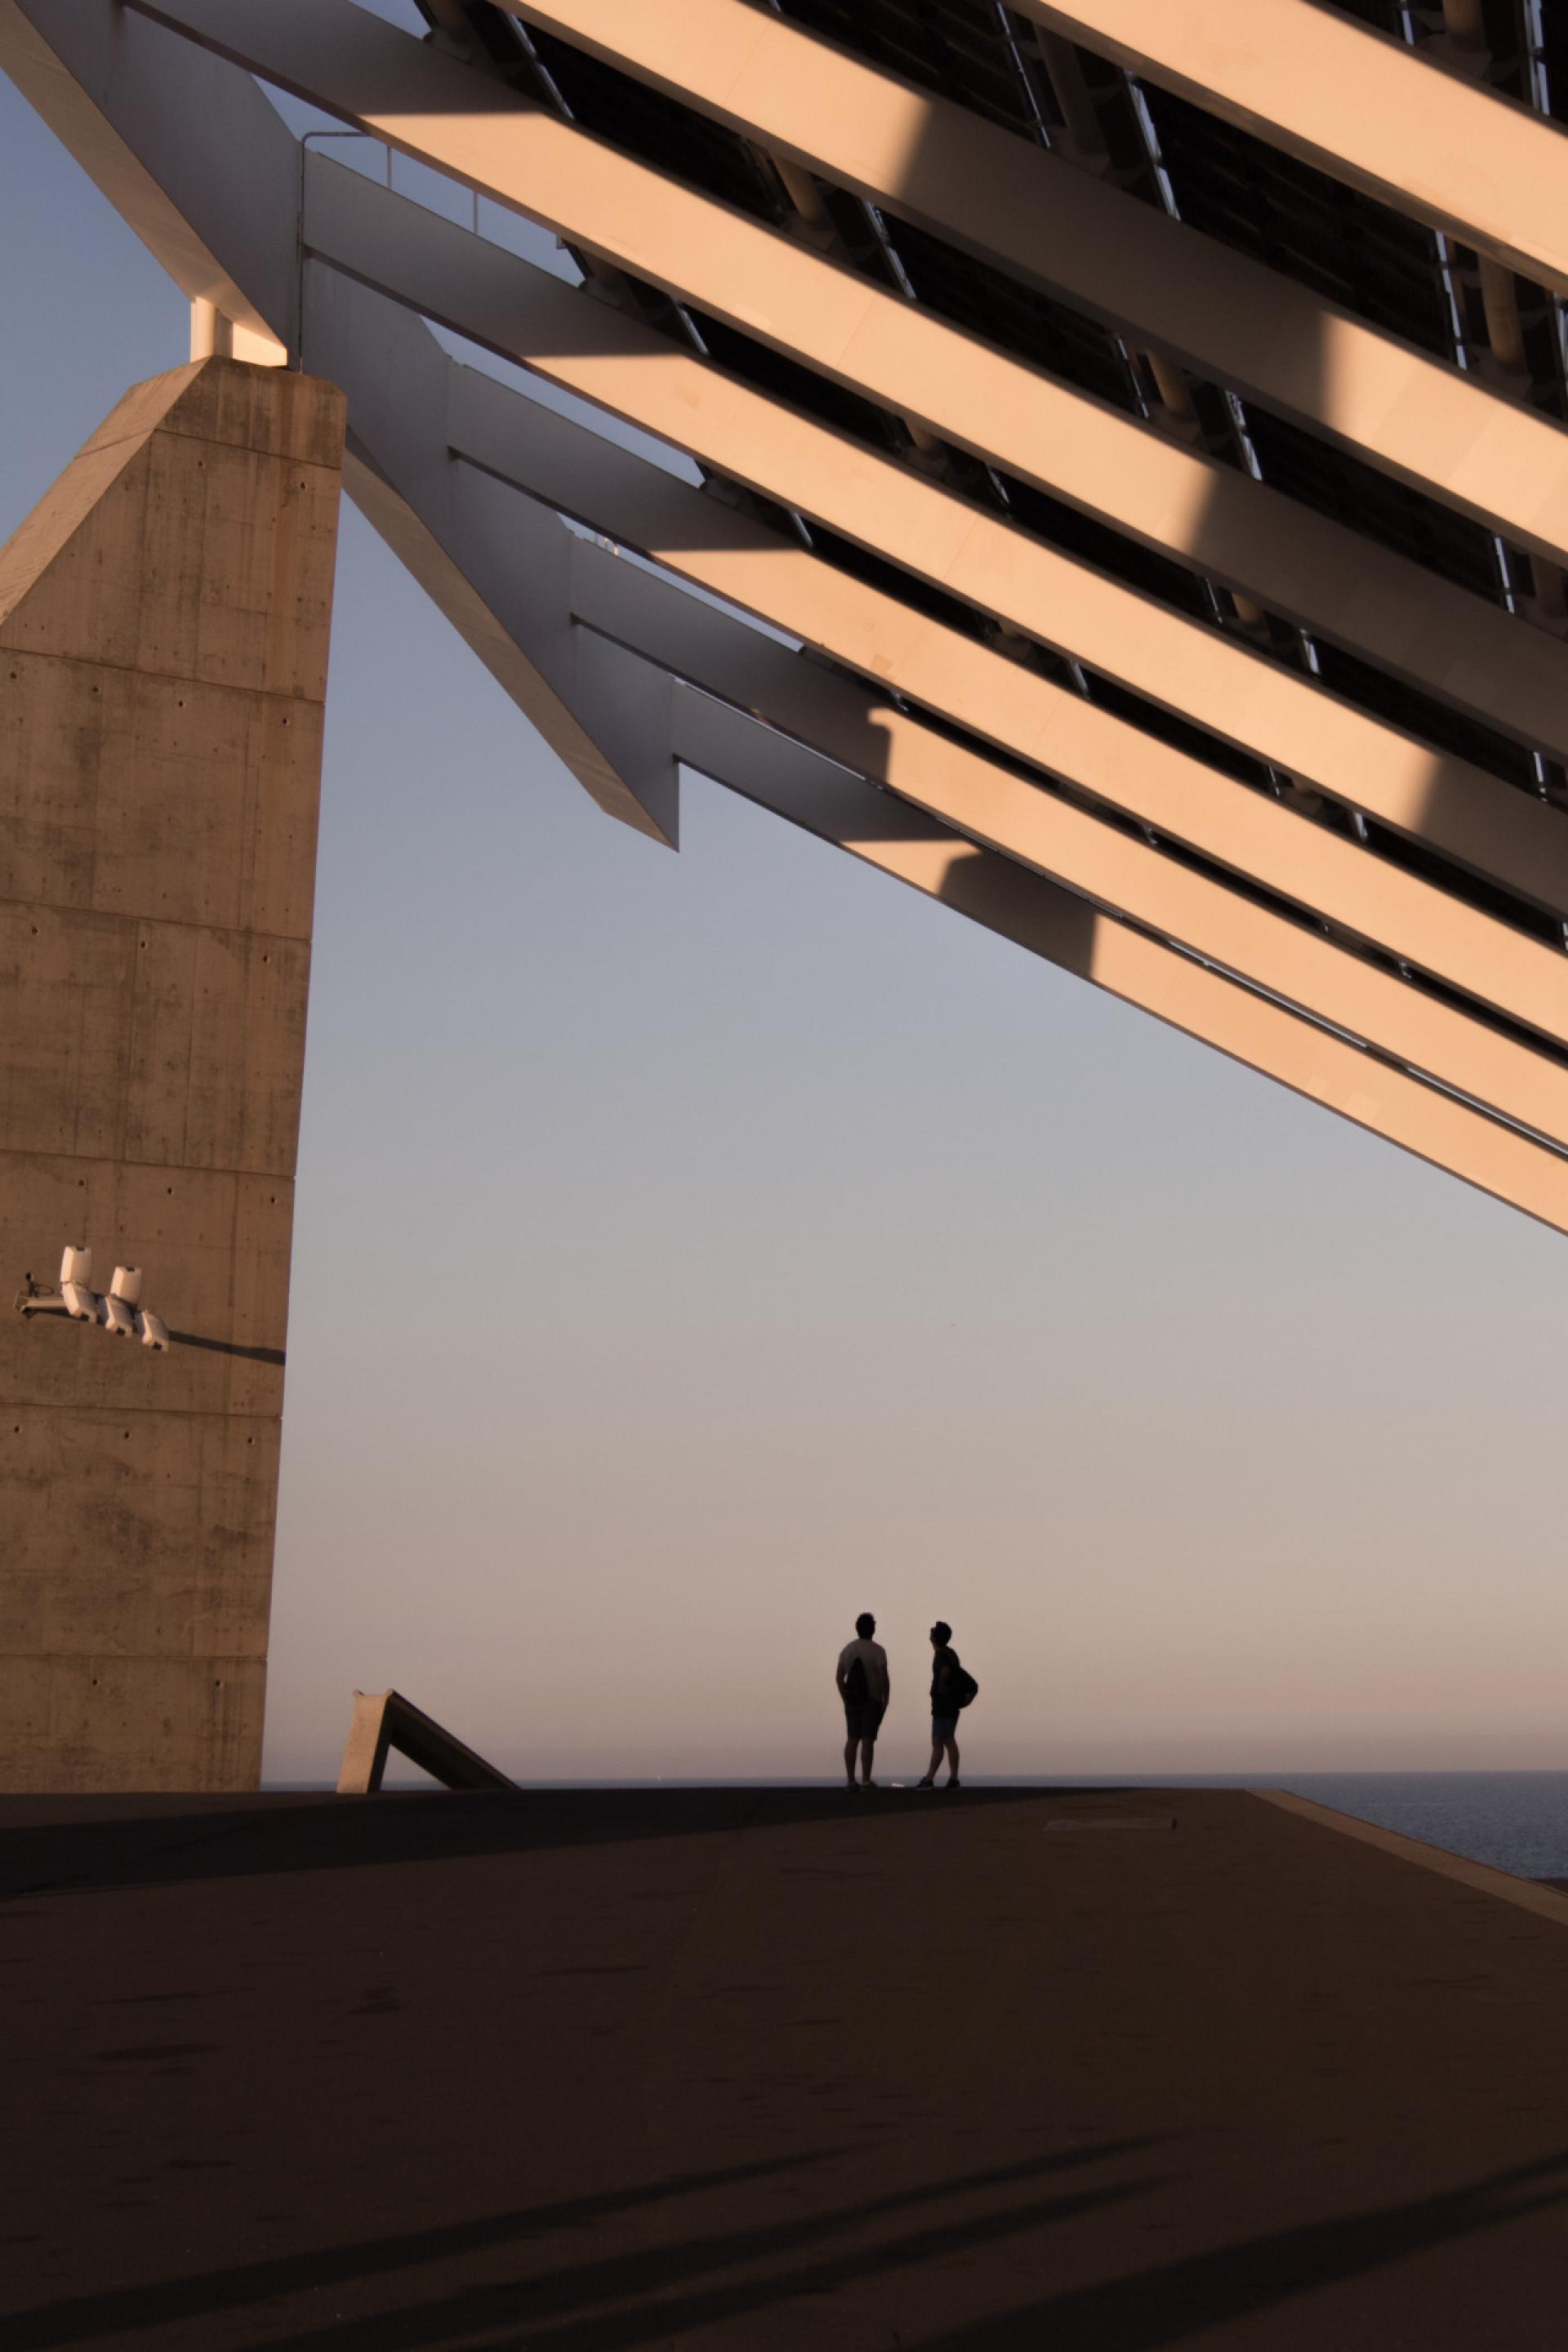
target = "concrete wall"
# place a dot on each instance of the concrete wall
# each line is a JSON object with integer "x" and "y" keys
{"x": 163, "y": 626}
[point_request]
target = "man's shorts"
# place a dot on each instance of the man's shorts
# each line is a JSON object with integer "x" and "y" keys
{"x": 944, "y": 1727}
{"x": 863, "y": 1718}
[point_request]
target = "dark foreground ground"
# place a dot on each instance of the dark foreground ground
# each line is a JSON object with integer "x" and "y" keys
{"x": 588, "y": 2072}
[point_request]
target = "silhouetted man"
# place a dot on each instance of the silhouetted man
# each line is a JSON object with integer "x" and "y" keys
{"x": 864, "y": 1686}
{"x": 945, "y": 1701}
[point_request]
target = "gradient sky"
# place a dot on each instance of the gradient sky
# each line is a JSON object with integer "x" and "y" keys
{"x": 691, "y": 1251}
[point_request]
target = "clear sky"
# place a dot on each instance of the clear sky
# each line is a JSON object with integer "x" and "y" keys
{"x": 692, "y": 1251}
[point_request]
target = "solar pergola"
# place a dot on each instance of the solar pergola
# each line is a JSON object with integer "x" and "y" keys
{"x": 1111, "y": 472}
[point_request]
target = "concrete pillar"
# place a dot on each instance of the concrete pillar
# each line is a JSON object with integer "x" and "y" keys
{"x": 164, "y": 625}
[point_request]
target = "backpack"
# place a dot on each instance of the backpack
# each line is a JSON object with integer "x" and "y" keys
{"x": 964, "y": 1686}
{"x": 857, "y": 1689}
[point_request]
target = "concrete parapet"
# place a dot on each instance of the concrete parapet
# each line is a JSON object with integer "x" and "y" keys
{"x": 163, "y": 629}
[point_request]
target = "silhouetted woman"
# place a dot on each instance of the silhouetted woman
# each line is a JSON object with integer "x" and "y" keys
{"x": 943, "y": 1706}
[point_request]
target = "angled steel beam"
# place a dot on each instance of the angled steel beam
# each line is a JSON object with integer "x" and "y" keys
{"x": 1242, "y": 828}
{"x": 991, "y": 193}
{"x": 1305, "y": 566}
{"x": 737, "y": 751}
{"x": 199, "y": 163}
{"x": 452, "y": 537}
{"x": 864, "y": 730}
{"x": 188, "y": 153}
{"x": 1025, "y": 713}
{"x": 494, "y": 298}
{"x": 855, "y": 726}
{"x": 754, "y": 759}
{"x": 1356, "y": 104}
{"x": 560, "y": 463}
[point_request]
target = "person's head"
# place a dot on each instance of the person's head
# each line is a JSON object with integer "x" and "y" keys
{"x": 941, "y": 1635}
{"x": 865, "y": 1624}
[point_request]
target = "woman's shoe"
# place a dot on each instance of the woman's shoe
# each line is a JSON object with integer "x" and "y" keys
{"x": 954, "y": 1783}
{"x": 927, "y": 1783}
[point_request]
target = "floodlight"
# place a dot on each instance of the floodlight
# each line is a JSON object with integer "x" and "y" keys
{"x": 118, "y": 1310}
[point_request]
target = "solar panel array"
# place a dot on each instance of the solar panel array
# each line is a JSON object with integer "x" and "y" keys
{"x": 1389, "y": 270}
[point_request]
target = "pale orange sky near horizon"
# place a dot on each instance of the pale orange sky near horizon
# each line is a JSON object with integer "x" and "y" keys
{"x": 692, "y": 1251}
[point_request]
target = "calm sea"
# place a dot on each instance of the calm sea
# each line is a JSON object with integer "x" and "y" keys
{"x": 1515, "y": 1821}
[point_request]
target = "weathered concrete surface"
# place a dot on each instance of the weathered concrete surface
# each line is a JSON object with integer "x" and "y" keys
{"x": 777, "y": 2071}
{"x": 163, "y": 629}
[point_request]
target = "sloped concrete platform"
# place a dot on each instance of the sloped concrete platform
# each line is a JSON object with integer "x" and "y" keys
{"x": 721, "y": 2069}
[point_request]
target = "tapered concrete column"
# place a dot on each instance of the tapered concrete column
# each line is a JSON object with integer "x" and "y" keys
{"x": 164, "y": 625}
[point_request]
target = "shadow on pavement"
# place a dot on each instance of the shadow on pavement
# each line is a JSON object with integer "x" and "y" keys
{"x": 139, "y": 1842}
{"x": 549, "y": 2296}
{"x": 1178, "y": 2300}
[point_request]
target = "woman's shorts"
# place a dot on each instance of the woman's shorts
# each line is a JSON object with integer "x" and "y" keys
{"x": 863, "y": 1718}
{"x": 944, "y": 1727}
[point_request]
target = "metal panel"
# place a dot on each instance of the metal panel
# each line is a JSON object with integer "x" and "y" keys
{"x": 1355, "y": 103}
